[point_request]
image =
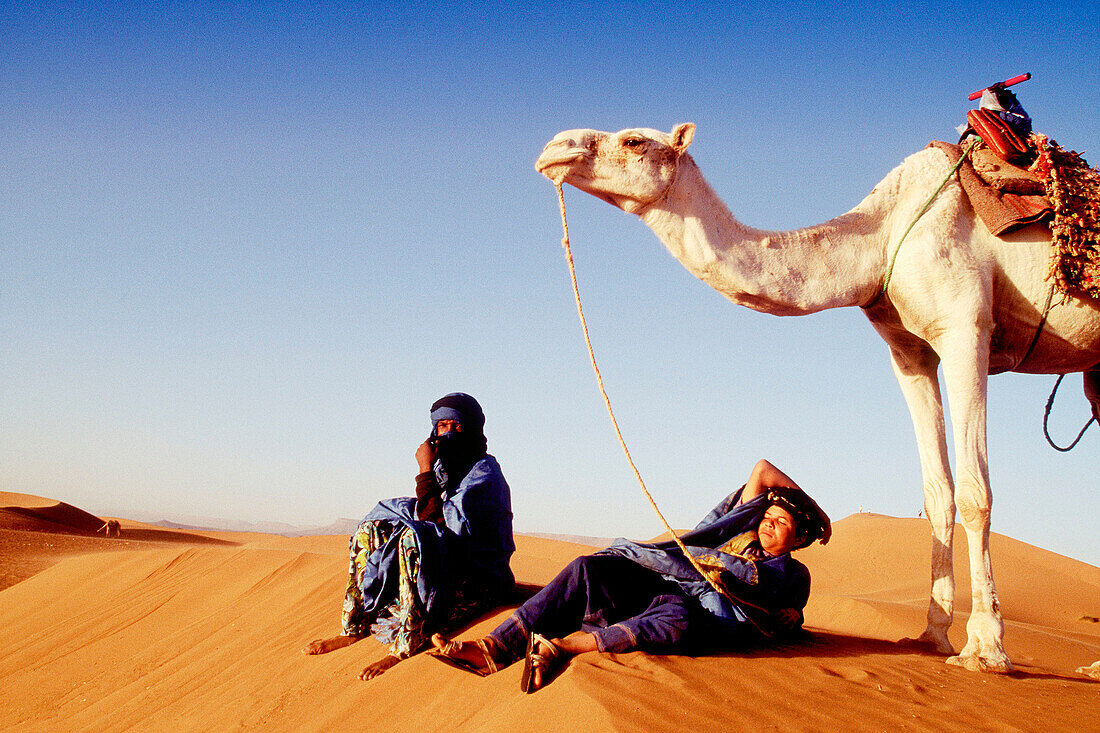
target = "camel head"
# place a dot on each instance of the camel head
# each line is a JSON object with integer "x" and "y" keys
{"x": 631, "y": 169}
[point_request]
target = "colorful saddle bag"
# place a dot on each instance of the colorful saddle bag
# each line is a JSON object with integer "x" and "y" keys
{"x": 996, "y": 133}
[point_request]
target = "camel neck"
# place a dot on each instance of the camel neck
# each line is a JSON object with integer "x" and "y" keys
{"x": 835, "y": 264}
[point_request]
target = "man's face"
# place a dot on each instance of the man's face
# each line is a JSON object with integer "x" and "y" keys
{"x": 448, "y": 426}
{"x": 777, "y": 531}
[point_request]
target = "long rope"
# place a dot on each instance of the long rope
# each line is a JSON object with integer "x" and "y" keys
{"x": 1046, "y": 416}
{"x": 709, "y": 574}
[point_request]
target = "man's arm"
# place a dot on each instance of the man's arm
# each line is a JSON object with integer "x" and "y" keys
{"x": 429, "y": 496}
{"x": 765, "y": 476}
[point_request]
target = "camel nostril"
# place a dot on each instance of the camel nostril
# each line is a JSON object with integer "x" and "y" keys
{"x": 565, "y": 143}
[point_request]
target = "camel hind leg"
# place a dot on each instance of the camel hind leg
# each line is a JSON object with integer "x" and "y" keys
{"x": 915, "y": 367}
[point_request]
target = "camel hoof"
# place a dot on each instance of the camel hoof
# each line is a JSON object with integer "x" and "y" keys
{"x": 1092, "y": 670}
{"x": 977, "y": 663}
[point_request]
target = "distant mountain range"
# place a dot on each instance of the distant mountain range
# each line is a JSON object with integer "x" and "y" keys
{"x": 342, "y": 526}
{"x": 339, "y": 527}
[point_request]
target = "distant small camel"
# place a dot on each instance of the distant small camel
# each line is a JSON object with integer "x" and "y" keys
{"x": 111, "y": 527}
{"x": 1093, "y": 670}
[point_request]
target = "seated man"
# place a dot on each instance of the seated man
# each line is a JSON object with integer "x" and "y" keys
{"x": 649, "y": 597}
{"x": 430, "y": 563}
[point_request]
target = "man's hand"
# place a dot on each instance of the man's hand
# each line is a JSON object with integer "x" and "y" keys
{"x": 788, "y": 619}
{"x": 425, "y": 456}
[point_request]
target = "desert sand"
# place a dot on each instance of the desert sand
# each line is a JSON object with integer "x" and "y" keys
{"x": 189, "y": 630}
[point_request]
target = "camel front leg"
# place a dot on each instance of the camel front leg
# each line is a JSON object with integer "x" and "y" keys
{"x": 915, "y": 368}
{"x": 965, "y": 370}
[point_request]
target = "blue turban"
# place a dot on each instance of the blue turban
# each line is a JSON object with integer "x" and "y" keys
{"x": 461, "y": 407}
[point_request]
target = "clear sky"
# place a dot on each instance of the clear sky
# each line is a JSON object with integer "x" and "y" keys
{"x": 242, "y": 250}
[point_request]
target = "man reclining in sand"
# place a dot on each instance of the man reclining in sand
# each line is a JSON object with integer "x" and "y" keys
{"x": 648, "y": 597}
{"x": 431, "y": 563}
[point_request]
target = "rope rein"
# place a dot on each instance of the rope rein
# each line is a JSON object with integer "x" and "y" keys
{"x": 923, "y": 210}
{"x": 1038, "y": 333}
{"x": 1046, "y": 416}
{"x": 708, "y": 574}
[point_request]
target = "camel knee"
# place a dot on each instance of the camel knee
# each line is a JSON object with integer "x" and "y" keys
{"x": 942, "y": 524}
{"x": 974, "y": 501}
{"x": 974, "y": 514}
{"x": 939, "y": 505}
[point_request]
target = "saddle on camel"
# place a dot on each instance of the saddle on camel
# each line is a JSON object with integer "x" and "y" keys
{"x": 1015, "y": 177}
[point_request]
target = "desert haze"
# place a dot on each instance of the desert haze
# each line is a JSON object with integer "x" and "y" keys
{"x": 165, "y": 629}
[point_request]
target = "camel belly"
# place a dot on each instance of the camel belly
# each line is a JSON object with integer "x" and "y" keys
{"x": 1069, "y": 340}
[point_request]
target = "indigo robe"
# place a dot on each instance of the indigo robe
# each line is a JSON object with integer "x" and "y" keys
{"x": 470, "y": 549}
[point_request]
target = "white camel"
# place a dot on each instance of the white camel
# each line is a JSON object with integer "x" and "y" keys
{"x": 957, "y": 296}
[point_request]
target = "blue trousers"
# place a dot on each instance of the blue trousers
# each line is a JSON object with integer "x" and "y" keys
{"x": 624, "y": 605}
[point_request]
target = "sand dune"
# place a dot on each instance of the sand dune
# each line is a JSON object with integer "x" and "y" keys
{"x": 33, "y": 513}
{"x": 35, "y": 533}
{"x": 201, "y": 634}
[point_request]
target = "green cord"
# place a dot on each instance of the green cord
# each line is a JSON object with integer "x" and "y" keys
{"x": 923, "y": 210}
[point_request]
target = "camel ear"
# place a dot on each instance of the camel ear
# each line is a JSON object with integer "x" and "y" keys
{"x": 682, "y": 135}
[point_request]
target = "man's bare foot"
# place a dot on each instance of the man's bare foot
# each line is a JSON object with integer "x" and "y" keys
{"x": 324, "y": 646}
{"x": 373, "y": 670}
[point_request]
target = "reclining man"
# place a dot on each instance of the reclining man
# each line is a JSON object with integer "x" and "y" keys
{"x": 649, "y": 597}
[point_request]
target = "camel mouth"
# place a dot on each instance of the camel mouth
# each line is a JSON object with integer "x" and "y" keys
{"x": 555, "y": 165}
{"x": 560, "y": 157}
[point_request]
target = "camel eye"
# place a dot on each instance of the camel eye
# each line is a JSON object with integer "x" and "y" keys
{"x": 633, "y": 142}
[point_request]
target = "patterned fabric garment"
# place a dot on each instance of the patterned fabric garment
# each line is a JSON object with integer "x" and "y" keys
{"x": 401, "y": 624}
{"x": 367, "y": 537}
{"x": 745, "y": 545}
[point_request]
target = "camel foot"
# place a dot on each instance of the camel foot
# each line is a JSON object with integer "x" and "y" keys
{"x": 1093, "y": 670}
{"x": 995, "y": 663}
{"x": 374, "y": 670}
{"x": 324, "y": 646}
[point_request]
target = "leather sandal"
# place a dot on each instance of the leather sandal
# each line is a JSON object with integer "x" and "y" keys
{"x": 542, "y": 656}
{"x": 487, "y": 666}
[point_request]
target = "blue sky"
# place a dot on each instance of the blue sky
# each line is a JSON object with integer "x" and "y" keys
{"x": 243, "y": 250}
